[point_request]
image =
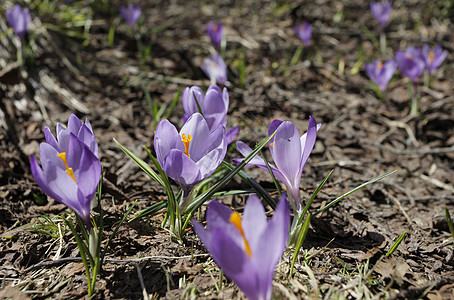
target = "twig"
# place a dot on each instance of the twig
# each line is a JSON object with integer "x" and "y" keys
{"x": 47, "y": 263}
{"x": 144, "y": 290}
{"x": 437, "y": 183}
{"x": 413, "y": 151}
{"x": 402, "y": 210}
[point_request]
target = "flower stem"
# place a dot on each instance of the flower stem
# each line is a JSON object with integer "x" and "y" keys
{"x": 382, "y": 43}
{"x": 414, "y": 99}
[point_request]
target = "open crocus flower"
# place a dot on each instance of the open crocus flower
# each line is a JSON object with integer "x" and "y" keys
{"x": 214, "y": 30}
{"x": 304, "y": 33}
{"x": 215, "y": 68}
{"x": 289, "y": 151}
{"x": 213, "y": 105}
{"x": 18, "y": 19}
{"x": 70, "y": 171}
{"x": 381, "y": 73}
{"x": 411, "y": 63}
{"x": 82, "y": 131}
{"x": 433, "y": 57}
{"x": 247, "y": 249}
{"x": 193, "y": 153}
{"x": 381, "y": 12}
{"x": 131, "y": 13}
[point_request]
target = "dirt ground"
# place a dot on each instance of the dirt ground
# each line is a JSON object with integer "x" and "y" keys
{"x": 361, "y": 137}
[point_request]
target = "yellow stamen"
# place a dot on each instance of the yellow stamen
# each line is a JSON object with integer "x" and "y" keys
{"x": 186, "y": 142}
{"x": 409, "y": 56}
{"x": 380, "y": 65}
{"x": 215, "y": 27}
{"x": 235, "y": 219}
{"x": 431, "y": 56}
{"x": 214, "y": 65}
{"x": 271, "y": 144}
{"x": 69, "y": 171}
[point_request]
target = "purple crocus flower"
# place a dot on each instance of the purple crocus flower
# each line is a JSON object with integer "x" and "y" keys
{"x": 381, "y": 12}
{"x": 304, "y": 32}
{"x": 214, "y": 106}
{"x": 433, "y": 57}
{"x": 193, "y": 153}
{"x": 215, "y": 31}
{"x": 70, "y": 170}
{"x": 215, "y": 68}
{"x": 18, "y": 19}
{"x": 411, "y": 63}
{"x": 289, "y": 151}
{"x": 381, "y": 73}
{"x": 247, "y": 249}
{"x": 131, "y": 13}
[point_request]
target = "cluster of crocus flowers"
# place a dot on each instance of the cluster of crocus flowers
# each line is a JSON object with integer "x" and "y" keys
{"x": 433, "y": 57}
{"x": 213, "y": 106}
{"x": 131, "y": 14}
{"x": 304, "y": 33}
{"x": 381, "y": 12}
{"x": 290, "y": 153}
{"x": 71, "y": 169}
{"x": 411, "y": 63}
{"x": 247, "y": 249}
{"x": 214, "y": 31}
{"x": 192, "y": 154}
{"x": 215, "y": 68}
{"x": 381, "y": 73}
{"x": 18, "y": 19}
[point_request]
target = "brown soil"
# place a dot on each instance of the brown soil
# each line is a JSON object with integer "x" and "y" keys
{"x": 361, "y": 137}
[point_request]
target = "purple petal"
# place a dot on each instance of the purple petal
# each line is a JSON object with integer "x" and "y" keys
{"x": 231, "y": 134}
{"x": 166, "y": 138}
{"x": 287, "y": 155}
{"x": 50, "y": 139}
{"x": 271, "y": 248}
{"x": 197, "y": 127}
{"x": 235, "y": 263}
{"x": 254, "y": 222}
{"x": 181, "y": 168}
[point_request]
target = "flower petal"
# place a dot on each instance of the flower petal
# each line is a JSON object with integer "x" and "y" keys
{"x": 235, "y": 263}
{"x": 181, "y": 168}
{"x": 254, "y": 222}
{"x": 166, "y": 138}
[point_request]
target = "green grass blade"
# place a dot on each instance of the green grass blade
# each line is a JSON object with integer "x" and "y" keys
{"x": 396, "y": 244}
{"x": 299, "y": 242}
{"x": 314, "y": 194}
{"x": 450, "y": 225}
{"x": 198, "y": 202}
{"x": 276, "y": 183}
{"x": 354, "y": 190}
{"x": 150, "y": 210}
{"x": 173, "y": 105}
{"x": 142, "y": 165}
{"x": 253, "y": 184}
{"x": 103, "y": 253}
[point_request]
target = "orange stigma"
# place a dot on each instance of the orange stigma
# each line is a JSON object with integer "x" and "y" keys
{"x": 409, "y": 56}
{"x": 69, "y": 170}
{"x": 431, "y": 56}
{"x": 215, "y": 27}
{"x": 186, "y": 142}
{"x": 235, "y": 219}
{"x": 380, "y": 65}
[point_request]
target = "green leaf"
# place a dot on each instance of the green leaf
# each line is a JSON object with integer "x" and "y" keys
{"x": 150, "y": 210}
{"x": 198, "y": 202}
{"x": 143, "y": 165}
{"x": 299, "y": 242}
{"x": 396, "y": 244}
{"x": 354, "y": 190}
{"x": 448, "y": 218}
{"x": 317, "y": 190}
